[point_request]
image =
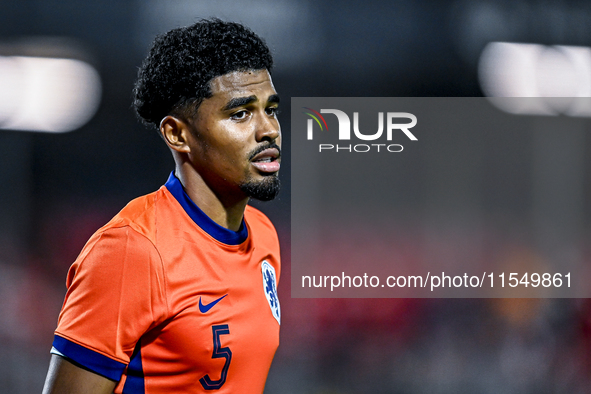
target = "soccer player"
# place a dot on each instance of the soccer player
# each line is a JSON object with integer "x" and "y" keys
{"x": 178, "y": 292}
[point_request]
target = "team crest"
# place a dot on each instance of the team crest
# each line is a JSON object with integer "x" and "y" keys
{"x": 270, "y": 289}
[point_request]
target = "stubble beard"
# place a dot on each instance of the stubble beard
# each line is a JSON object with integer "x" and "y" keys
{"x": 263, "y": 190}
{"x": 267, "y": 188}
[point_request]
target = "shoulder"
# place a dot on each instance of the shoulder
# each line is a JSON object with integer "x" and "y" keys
{"x": 127, "y": 239}
{"x": 139, "y": 213}
{"x": 261, "y": 226}
{"x": 111, "y": 252}
{"x": 254, "y": 217}
{"x": 264, "y": 236}
{"x": 118, "y": 265}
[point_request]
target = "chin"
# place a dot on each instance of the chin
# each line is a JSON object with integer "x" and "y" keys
{"x": 265, "y": 189}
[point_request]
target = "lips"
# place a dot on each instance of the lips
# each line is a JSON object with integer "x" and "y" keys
{"x": 267, "y": 161}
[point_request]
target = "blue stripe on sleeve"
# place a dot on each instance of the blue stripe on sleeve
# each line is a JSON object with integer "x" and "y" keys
{"x": 90, "y": 359}
{"x": 134, "y": 384}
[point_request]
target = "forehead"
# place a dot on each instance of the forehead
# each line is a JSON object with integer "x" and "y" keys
{"x": 242, "y": 84}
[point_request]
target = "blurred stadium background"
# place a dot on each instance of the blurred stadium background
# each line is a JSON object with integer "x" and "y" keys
{"x": 72, "y": 154}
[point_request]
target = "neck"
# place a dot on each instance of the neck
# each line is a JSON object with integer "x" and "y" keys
{"x": 226, "y": 210}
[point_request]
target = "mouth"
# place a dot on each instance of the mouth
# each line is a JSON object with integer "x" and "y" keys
{"x": 267, "y": 161}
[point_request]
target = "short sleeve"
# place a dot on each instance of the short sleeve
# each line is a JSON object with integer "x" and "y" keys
{"x": 116, "y": 293}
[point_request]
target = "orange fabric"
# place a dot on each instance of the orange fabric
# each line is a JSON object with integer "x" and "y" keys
{"x": 140, "y": 279}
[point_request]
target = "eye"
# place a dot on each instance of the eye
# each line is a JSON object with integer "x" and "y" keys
{"x": 240, "y": 115}
{"x": 272, "y": 111}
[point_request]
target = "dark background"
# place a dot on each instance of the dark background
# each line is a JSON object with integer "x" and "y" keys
{"x": 57, "y": 189}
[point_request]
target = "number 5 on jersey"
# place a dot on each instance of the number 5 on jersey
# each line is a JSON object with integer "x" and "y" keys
{"x": 218, "y": 352}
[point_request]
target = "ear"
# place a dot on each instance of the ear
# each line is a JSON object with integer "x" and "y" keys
{"x": 176, "y": 133}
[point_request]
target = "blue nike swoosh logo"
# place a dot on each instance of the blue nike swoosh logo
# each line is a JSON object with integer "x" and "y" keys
{"x": 207, "y": 307}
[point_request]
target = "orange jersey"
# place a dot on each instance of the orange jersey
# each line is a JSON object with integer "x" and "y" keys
{"x": 164, "y": 300}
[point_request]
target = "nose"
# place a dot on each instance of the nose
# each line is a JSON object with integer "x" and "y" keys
{"x": 268, "y": 128}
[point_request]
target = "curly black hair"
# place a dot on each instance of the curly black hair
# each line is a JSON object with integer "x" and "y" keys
{"x": 175, "y": 77}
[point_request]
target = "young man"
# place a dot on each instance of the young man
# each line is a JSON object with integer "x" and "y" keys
{"x": 177, "y": 293}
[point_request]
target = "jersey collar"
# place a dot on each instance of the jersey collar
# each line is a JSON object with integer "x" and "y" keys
{"x": 218, "y": 232}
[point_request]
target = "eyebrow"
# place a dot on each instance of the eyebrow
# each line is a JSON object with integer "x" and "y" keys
{"x": 274, "y": 99}
{"x": 240, "y": 101}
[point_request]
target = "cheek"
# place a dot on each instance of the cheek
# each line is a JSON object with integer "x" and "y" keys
{"x": 220, "y": 142}
{"x": 230, "y": 155}
{"x": 237, "y": 143}
{"x": 227, "y": 143}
